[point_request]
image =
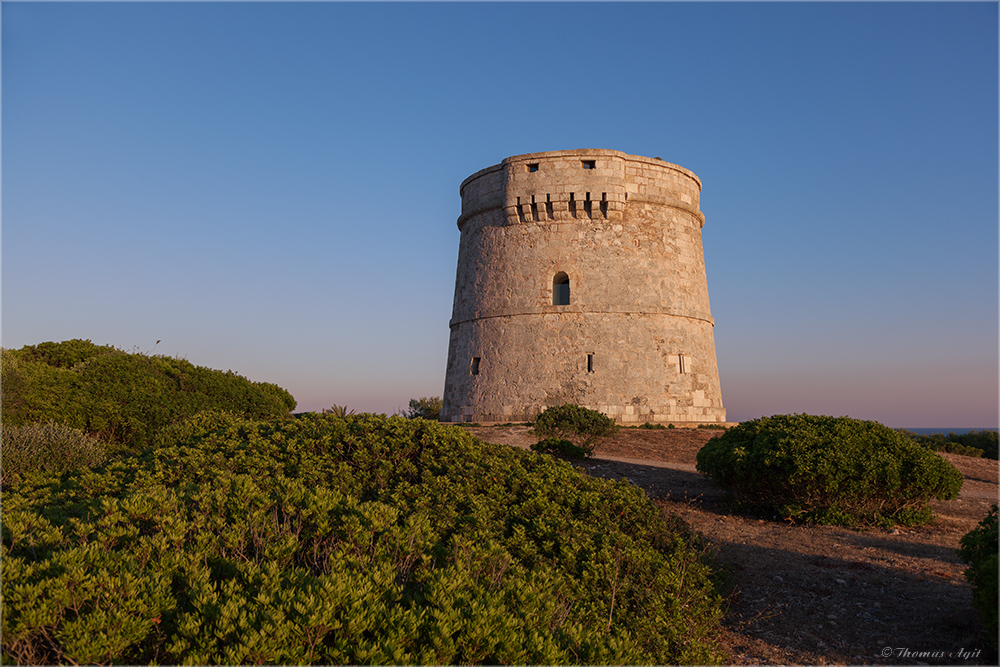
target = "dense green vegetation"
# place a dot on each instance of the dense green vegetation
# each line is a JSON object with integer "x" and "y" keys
{"x": 342, "y": 540}
{"x": 829, "y": 470}
{"x": 979, "y": 550}
{"x": 159, "y": 512}
{"x": 123, "y": 398}
{"x": 582, "y": 427}
{"x": 46, "y": 448}
{"x": 425, "y": 408}
{"x": 973, "y": 443}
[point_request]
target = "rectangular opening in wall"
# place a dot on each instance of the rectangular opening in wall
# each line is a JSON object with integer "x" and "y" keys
{"x": 474, "y": 368}
{"x": 590, "y": 363}
{"x": 680, "y": 363}
{"x": 590, "y": 164}
{"x": 532, "y": 167}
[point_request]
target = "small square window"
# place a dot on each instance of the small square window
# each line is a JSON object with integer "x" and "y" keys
{"x": 533, "y": 167}
{"x": 590, "y": 164}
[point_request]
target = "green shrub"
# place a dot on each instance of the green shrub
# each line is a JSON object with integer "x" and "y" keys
{"x": 973, "y": 443}
{"x": 987, "y": 441}
{"x": 979, "y": 550}
{"x": 829, "y": 470}
{"x": 563, "y": 448}
{"x": 121, "y": 397}
{"x": 51, "y": 448}
{"x": 346, "y": 541}
{"x": 581, "y": 426}
{"x": 66, "y": 354}
{"x": 425, "y": 408}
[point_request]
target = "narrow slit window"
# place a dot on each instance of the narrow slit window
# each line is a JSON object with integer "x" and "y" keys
{"x": 474, "y": 368}
{"x": 590, "y": 164}
{"x": 560, "y": 290}
{"x": 680, "y": 363}
{"x": 590, "y": 363}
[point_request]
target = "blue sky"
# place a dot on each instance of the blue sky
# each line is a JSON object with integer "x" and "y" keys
{"x": 272, "y": 188}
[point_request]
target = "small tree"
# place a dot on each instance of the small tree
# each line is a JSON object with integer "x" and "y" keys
{"x": 581, "y": 426}
{"x": 425, "y": 408}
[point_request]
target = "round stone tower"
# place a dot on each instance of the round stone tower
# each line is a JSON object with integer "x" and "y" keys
{"x": 581, "y": 279}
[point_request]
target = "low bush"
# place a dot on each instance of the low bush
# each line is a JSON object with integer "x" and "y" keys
{"x": 562, "y": 448}
{"x": 345, "y": 541}
{"x": 581, "y": 426}
{"x": 987, "y": 440}
{"x": 974, "y": 443}
{"x": 829, "y": 470}
{"x": 979, "y": 550}
{"x": 46, "y": 448}
{"x": 122, "y": 397}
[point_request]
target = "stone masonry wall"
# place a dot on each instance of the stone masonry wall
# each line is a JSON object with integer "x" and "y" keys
{"x": 635, "y": 340}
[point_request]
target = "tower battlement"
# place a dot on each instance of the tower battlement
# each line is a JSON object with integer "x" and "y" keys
{"x": 581, "y": 279}
{"x": 570, "y": 185}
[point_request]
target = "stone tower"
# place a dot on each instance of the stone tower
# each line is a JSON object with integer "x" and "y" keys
{"x": 581, "y": 279}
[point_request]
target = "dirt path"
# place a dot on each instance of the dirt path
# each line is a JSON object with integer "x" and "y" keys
{"x": 815, "y": 594}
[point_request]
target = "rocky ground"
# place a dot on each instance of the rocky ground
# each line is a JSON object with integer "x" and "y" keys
{"x": 814, "y": 594}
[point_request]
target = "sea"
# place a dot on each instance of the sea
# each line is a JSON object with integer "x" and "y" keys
{"x": 946, "y": 431}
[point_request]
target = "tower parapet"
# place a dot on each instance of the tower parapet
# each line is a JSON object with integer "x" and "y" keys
{"x": 581, "y": 279}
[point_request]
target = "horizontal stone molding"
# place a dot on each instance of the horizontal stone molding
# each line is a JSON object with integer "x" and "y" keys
{"x": 570, "y": 310}
{"x": 561, "y": 205}
{"x": 669, "y": 202}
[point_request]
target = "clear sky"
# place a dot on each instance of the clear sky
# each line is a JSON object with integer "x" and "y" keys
{"x": 273, "y": 188}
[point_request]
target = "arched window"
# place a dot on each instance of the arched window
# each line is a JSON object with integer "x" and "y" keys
{"x": 560, "y": 290}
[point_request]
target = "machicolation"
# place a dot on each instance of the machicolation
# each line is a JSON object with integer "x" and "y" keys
{"x": 581, "y": 279}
